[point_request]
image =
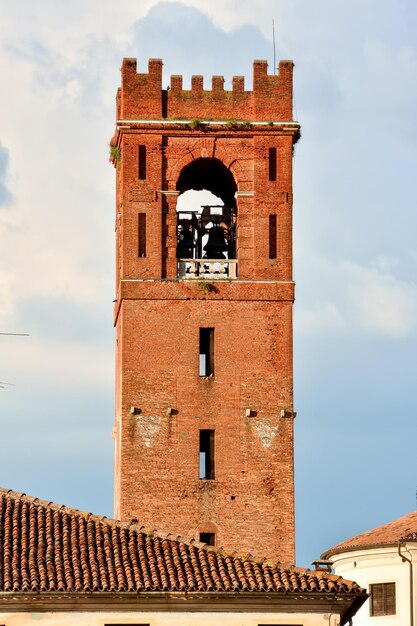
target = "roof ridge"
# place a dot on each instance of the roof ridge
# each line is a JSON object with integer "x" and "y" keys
{"x": 386, "y": 534}
{"x": 167, "y": 562}
{"x": 155, "y": 533}
{"x": 151, "y": 533}
{"x": 49, "y": 504}
{"x": 134, "y": 525}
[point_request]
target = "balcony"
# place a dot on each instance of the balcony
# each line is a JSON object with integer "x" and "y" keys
{"x": 207, "y": 269}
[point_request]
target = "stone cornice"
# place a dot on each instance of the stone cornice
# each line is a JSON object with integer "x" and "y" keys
{"x": 309, "y": 602}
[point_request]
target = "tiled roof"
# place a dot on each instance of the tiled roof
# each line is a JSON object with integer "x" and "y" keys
{"x": 404, "y": 527}
{"x": 46, "y": 547}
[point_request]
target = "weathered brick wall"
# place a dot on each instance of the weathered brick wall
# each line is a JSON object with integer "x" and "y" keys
{"x": 142, "y": 96}
{"x": 250, "y": 504}
{"x": 246, "y": 155}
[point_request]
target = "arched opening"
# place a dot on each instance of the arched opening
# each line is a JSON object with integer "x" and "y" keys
{"x": 209, "y": 174}
{"x": 206, "y": 220}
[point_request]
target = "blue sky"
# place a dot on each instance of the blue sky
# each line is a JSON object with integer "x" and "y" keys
{"x": 354, "y": 234}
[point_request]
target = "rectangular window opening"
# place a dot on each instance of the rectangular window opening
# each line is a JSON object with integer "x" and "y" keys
{"x": 382, "y": 601}
{"x": 206, "y": 364}
{"x": 142, "y": 235}
{"x": 273, "y": 236}
{"x": 208, "y": 538}
{"x": 272, "y": 163}
{"x": 207, "y": 454}
{"x": 142, "y": 162}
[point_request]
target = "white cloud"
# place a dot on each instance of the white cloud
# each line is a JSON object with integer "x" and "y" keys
{"x": 5, "y": 195}
{"x": 359, "y": 299}
{"x": 37, "y": 360}
{"x": 381, "y": 302}
{"x": 324, "y": 318}
{"x": 7, "y": 300}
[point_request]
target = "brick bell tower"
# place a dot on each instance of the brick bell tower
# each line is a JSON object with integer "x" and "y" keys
{"x": 204, "y": 400}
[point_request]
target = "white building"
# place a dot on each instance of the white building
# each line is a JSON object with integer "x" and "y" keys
{"x": 383, "y": 561}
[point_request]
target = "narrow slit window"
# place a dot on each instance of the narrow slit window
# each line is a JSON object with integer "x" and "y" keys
{"x": 206, "y": 364}
{"x": 142, "y": 235}
{"x": 272, "y": 163}
{"x": 208, "y": 538}
{"x": 273, "y": 236}
{"x": 207, "y": 454}
{"x": 382, "y": 601}
{"x": 142, "y": 162}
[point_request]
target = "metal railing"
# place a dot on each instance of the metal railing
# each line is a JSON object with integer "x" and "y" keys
{"x": 210, "y": 269}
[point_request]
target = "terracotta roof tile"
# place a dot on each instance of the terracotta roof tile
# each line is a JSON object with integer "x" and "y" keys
{"x": 45, "y": 547}
{"x": 403, "y": 528}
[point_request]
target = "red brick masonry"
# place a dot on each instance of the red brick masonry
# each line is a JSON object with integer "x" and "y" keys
{"x": 249, "y": 505}
{"x": 140, "y": 95}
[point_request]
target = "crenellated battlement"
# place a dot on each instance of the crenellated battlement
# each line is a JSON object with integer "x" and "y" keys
{"x": 141, "y": 96}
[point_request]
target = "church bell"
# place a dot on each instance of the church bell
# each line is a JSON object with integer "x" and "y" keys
{"x": 216, "y": 244}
